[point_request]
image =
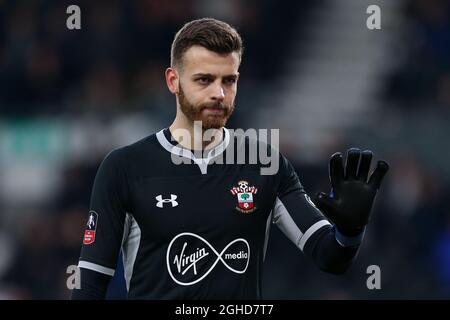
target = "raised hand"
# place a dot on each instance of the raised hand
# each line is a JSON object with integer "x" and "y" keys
{"x": 350, "y": 202}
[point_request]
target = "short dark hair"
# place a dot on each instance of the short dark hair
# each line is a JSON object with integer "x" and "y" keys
{"x": 212, "y": 34}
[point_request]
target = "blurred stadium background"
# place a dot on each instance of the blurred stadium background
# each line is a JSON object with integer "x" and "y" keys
{"x": 311, "y": 69}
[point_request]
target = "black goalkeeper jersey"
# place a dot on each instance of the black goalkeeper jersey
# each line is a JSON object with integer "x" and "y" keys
{"x": 195, "y": 230}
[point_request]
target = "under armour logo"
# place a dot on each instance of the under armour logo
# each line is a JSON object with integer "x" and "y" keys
{"x": 161, "y": 201}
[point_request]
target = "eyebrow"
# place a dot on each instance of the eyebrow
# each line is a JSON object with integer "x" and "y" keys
{"x": 209, "y": 75}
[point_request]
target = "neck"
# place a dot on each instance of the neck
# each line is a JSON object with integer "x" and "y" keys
{"x": 193, "y": 136}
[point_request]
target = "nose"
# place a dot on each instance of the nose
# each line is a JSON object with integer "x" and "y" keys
{"x": 218, "y": 93}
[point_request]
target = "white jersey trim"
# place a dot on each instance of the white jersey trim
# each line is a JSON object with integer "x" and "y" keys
{"x": 201, "y": 162}
{"x": 96, "y": 267}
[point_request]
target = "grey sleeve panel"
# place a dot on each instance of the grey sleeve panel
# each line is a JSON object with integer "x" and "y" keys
{"x": 283, "y": 219}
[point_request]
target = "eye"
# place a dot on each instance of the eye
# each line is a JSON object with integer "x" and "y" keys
{"x": 203, "y": 80}
{"x": 230, "y": 80}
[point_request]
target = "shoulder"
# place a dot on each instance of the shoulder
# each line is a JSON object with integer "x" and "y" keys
{"x": 144, "y": 145}
{"x": 259, "y": 147}
{"x": 138, "y": 151}
{"x": 262, "y": 140}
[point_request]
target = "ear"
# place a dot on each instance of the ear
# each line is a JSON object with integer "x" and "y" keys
{"x": 172, "y": 79}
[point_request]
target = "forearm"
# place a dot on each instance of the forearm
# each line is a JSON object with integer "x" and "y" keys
{"x": 93, "y": 285}
{"x": 328, "y": 254}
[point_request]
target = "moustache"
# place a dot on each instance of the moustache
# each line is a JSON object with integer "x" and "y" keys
{"x": 216, "y": 105}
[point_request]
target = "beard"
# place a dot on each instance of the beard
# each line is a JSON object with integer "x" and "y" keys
{"x": 195, "y": 112}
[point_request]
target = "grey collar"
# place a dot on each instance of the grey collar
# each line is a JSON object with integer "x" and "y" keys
{"x": 201, "y": 162}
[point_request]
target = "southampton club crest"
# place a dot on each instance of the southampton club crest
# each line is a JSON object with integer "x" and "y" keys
{"x": 244, "y": 195}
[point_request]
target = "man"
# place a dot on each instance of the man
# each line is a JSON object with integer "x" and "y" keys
{"x": 198, "y": 229}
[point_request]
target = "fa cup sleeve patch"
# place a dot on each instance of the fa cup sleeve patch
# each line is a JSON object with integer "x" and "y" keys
{"x": 91, "y": 227}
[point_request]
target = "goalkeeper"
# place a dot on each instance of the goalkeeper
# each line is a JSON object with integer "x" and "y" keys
{"x": 199, "y": 230}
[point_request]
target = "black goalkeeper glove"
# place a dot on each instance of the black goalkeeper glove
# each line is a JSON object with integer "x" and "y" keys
{"x": 350, "y": 203}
